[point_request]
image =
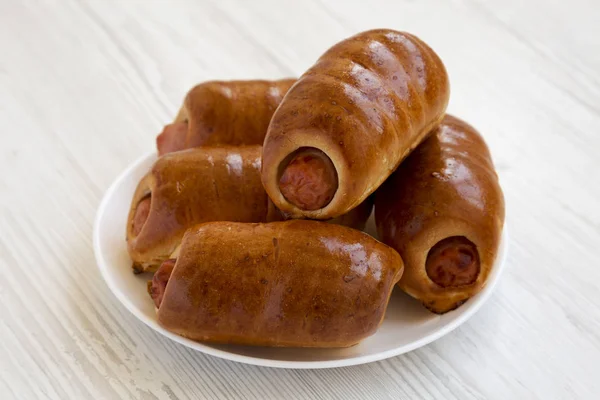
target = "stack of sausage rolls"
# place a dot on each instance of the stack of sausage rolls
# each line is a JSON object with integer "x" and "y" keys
{"x": 250, "y": 220}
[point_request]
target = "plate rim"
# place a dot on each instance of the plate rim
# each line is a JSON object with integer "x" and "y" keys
{"x": 484, "y": 295}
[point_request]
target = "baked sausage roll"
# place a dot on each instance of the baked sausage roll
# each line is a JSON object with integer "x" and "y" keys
{"x": 189, "y": 187}
{"x": 443, "y": 210}
{"x": 294, "y": 284}
{"x": 224, "y": 113}
{"x": 349, "y": 121}
{"x": 200, "y": 185}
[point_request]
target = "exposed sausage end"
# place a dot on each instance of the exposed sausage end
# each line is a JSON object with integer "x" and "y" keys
{"x": 156, "y": 288}
{"x": 453, "y": 262}
{"x": 141, "y": 215}
{"x": 309, "y": 180}
{"x": 172, "y": 138}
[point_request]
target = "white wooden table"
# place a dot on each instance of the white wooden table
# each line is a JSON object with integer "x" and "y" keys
{"x": 86, "y": 86}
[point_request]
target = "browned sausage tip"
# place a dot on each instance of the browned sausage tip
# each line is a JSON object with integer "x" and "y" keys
{"x": 172, "y": 138}
{"x": 452, "y": 262}
{"x": 309, "y": 180}
{"x": 160, "y": 280}
{"x": 141, "y": 215}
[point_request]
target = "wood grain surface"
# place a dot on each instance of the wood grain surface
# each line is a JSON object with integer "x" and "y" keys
{"x": 86, "y": 86}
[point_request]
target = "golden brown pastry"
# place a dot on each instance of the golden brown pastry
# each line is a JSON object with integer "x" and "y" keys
{"x": 224, "y": 113}
{"x": 188, "y": 187}
{"x": 443, "y": 210}
{"x": 350, "y": 120}
{"x": 295, "y": 283}
{"x": 200, "y": 185}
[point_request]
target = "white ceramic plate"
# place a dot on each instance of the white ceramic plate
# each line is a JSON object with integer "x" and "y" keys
{"x": 407, "y": 324}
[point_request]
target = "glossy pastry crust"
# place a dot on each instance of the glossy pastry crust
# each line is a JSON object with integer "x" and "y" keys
{"x": 356, "y": 218}
{"x": 193, "y": 186}
{"x": 231, "y": 112}
{"x": 295, "y": 283}
{"x": 201, "y": 185}
{"x": 446, "y": 188}
{"x": 366, "y": 103}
